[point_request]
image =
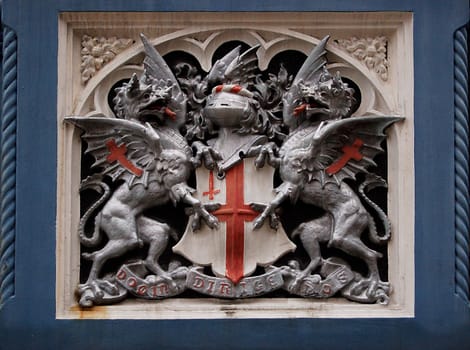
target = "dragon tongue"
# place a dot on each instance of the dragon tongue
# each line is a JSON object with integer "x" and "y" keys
{"x": 170, "y": 113}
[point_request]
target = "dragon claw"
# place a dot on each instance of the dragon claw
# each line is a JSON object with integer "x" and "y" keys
{"x": 273, "y": 221}
{"x": 204, "y": 213}
{"x": 258, "y": 223}
{"x": 273, "y": 217}
{"x": 370, "y": 289}
{"x": 264, "y": 154}
{"x": 212, "y": 222}
{"x": 96, "y": 292}
{"x": 205, "y": 154}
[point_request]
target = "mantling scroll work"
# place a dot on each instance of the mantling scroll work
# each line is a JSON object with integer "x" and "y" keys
{"x": 251, "y": 144}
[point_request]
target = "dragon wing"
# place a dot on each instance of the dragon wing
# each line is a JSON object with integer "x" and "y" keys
{"x": 154, "y": 63}
{"x": 312, "y": 66}
{"x": 125, "y": 149}
{"x": 308, "y": 74}
{"x": 340, "y": 149}
{"x": 234, "y": 68}
{"x": 242, "y": 69}
{"x": 217, "y": 72}
{"x": 157, "y": 69}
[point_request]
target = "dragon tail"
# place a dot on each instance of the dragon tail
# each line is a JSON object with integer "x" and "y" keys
{"x": 95, "y": 183}
{"x": 371, "y": 182}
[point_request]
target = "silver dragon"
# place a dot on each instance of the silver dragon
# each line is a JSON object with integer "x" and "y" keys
{"x": 141, "y": 147}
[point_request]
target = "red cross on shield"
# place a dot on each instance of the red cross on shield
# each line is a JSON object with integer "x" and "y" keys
{"x": 235, "y": 249}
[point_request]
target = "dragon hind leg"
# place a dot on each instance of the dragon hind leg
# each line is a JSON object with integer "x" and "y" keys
{"x": 350, "y": 221}
{"x": 156, "y": 234}
{"x": 311, "y": 234}
{"x": 114, "y": 248}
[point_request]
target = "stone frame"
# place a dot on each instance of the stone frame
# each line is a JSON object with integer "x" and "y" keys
{"x": 170, "y": 31}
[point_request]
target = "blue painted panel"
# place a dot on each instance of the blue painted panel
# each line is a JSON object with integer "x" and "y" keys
{"x": 442, "y": 318}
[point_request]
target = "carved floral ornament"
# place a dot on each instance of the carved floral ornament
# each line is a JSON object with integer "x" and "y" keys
{"x": 97, "y": 51}
{"x": 232, "y": 184}
{"x": 371, "y": 51}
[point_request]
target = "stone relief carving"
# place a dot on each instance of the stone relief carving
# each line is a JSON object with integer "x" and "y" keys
{"x": 97, "y": 51}
{"x": 371, "y": 51}
{"x": 251, "y": 143}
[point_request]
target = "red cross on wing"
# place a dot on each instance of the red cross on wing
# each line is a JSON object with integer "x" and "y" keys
{"x": 340, "y": 149}
{"x": 125, "y": 149}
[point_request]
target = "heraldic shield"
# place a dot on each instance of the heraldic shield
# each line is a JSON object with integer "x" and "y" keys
{"x": 235, "y": 248}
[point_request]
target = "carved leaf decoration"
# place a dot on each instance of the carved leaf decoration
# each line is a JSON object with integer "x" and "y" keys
{"x": 371, "y": 51}
{"x": 340, "y": 149}
{"x": 98, "y": 51}
{"x": 125, "y": 149}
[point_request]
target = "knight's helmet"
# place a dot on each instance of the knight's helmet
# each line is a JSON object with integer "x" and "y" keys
{"x": 228, "y": 105}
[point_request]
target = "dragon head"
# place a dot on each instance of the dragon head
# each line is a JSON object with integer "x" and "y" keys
{"x": 149, "y": 99}
{"x": 316, "y": 94}
{"x": 327, "y": 98}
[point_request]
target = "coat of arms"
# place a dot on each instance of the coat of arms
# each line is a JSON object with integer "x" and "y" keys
{"x": 229, "y": 150}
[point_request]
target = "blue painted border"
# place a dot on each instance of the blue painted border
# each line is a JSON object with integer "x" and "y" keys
{"x": 442, "y": 318}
